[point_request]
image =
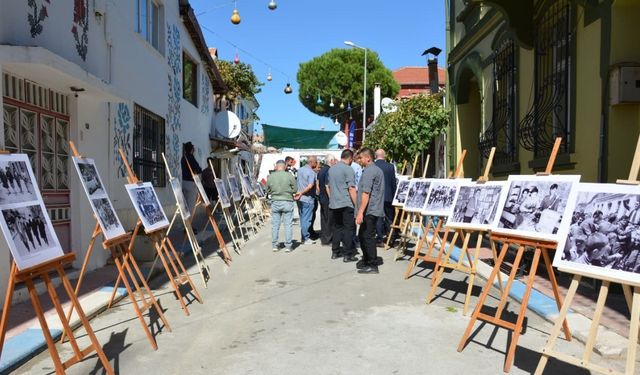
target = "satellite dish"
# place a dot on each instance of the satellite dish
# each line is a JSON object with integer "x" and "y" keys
{"x": 388, "y": 105}
{"x": 341, "y": 138}
{"x": 227, "y": 124}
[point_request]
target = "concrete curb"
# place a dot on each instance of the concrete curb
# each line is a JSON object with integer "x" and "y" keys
{"x": 609, "y": 343}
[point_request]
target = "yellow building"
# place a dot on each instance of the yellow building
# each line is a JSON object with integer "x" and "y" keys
{"x": 521, "y": 73}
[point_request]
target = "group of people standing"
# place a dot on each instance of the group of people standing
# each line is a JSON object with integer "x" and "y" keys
{"x": 355, "y": 191}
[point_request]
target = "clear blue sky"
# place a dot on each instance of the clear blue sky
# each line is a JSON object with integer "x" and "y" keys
{"x": 299, "y": 30}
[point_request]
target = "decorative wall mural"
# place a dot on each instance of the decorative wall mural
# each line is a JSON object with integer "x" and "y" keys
{"x": 121, "y": 138}
{"x": 174, "y": 60}
{"x": 80, "y": 28}
{"x": 36, "y": 16}
{"x": 206, "y": 93}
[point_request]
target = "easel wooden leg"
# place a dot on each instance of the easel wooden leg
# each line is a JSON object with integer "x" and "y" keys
{"x": 419, "y": 245}
{"x": 633, "y": 332}
{"x": 556, "y": 291}
{"x": 473, "y": 264}
{"x": 523, "y": 310}
{"x": 184, "y": 271}
{"x": 171, "y": 273}
{"x": 439, "y": 267}
{"x": 8, "y": 297}
{"x": 442, "y": 250}
{"x": 58, "y": 307}
{"x": 221, "y": 243}
{"x": 555, "y": 332}
{"x": 483, "y": 297}
{"x": 512, "y": 276}
{"x": 495, "y": 261}
{"x": 394, "y": 223}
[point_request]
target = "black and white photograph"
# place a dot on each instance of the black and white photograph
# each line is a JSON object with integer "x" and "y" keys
{"x": 203, "y": 193}
{"x": 401, "y": 191}
{"x": 259, "y": 189}
{"x": 534, "y": 206}
{"x": 16, "y": 183}
{"x": 146, "y": 203}
{"x": 89, "y": 177}
{"x": 223, "y": 193}
{"x": 603, "y": 238}
{"x": 177, "y": 193}
{"x": 476, "y": 205}
{"x": 30, "y": 235}
{"x": 235, "y": 188}
{"x": 109, "y": 222}
{"x": 442, "y": 195}
{"x": 417, "y": 194}
{"x": 247, "y": 186}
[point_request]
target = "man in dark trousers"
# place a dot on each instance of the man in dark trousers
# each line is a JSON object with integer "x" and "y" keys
{"x": 341, "y": 189}
{"x": 384, "y": 223}
{"x": 370, "y": 205}
{"x": 326, "y": 222}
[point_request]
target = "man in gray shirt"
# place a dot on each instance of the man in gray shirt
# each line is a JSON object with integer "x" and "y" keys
{"x": 307, "y": 198}
{"x": 341, "y": 189}
{"x": 370, "y": 205}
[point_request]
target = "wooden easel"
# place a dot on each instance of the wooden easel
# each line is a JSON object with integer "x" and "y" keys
{"x": 409, "y": 220}
{"x": 128, "y": 271}
{"x": 632, "y": 296}
{"x": 200, "y": 202}
{"x": 540, "y": 248}
{"x": 242, "y": 220}
{"x": 165, "y": 250}
{"x": 435, "y": 222}
{"x": 226, "y": 215}
{"x": 444, "y": 255}
{"x": 43, "y": 271}
{"x": 253, "y": 210}
{"x": 399, "y": 214}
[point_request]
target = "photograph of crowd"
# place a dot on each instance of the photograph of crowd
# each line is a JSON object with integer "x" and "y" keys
{"x": 535, "y": 206}
{"x": 223, "y": 193}
{"x": 109, "y": 221}
{"x": 401, "y": 192}
{"x": 441, "y": 197}
{"x": 147, "y": 206}
{"x": 90, "y": 178}
{"x": 476, "y": 205}
{"x": 203, "y": 194}
{"x": 417, "y": 194}
{"x": 29, "y": 231}
{"x": 604, "y": 236}
{"x": 235, "y": 188}
{"x": 248, "y": 188}
{"x": 16, "y": 184}
{"x": 177, "y": 192}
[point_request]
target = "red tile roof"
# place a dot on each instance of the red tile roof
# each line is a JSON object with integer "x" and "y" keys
{"x": 417, "y": 75}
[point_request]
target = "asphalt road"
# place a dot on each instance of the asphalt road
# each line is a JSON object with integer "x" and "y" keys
{"x": 303, "y": 313}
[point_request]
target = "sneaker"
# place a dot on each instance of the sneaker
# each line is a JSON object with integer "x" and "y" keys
{"x": 368, "y": 269}
{"x": 276, "y": 249}
{"x": 309, "y": 242}
{"x": 288, "y": 250}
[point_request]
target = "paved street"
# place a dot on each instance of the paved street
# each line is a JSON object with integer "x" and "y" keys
{"x": 305, "y": 313}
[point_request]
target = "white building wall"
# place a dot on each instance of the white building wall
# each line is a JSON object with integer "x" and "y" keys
{"x": 134, "y": 72}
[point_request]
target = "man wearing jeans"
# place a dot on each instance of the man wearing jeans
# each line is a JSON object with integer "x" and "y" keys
{"x": 307, "y": 194}
{"x": 281, "y": 187}
{"x": 341, "y": 189}
{"x": 370, "y": 204}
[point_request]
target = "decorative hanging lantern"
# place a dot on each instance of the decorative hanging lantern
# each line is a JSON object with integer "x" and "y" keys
{"x": 319, "y": 101}
{"x": 236, "y": 60}
{"x": 336, "y": 123}
{"x": 235, "y": 17}
{"x": 331, "y": 103}
{"x": 349, "y": 106}
{"x": 272, "y": 5}
{"x": 342, "y": 105}
{"x": 288, "y": 89}
{"x": 269, "y": 77}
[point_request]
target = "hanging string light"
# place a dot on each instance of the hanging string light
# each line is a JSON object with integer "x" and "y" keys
{"x": 341, "y": 105}
{"x": 235, "y": 17}
{"x": 236, "y": 60}
{"x": 319, "y": 101}
{"x": 336, "y": 123}
{"x": 288, "y": 89}
{"x": 331, "y": 103}
{"x": 269, "y": 77}
{"x": 272, "y": 5}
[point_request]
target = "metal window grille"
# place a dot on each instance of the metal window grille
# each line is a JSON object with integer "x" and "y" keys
{"x": 501, "y": 133}
{"x": 148, "y": 146}
{"x": 549, "y": 117}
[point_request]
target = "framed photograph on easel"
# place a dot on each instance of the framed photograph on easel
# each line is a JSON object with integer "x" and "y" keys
{"x": 235, "y": 188}
{"x": 223, "y": 193}
{"x": 146, "y": 203}
{"x": 176, "y": 186}
{"x": 98, "y": 198}
{"x": 203, "y": 194}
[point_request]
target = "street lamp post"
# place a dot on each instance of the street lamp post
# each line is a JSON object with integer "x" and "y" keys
{"x": 364, "y": 90}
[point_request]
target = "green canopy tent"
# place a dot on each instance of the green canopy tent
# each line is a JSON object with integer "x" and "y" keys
{"x": 279, "y": 137}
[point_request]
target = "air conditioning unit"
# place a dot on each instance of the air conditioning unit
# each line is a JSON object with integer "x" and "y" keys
{"x": 624, "y": 84}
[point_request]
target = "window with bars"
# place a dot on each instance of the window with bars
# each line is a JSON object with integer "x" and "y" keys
{"x": 550, "y": 115}
{"x": 148, "y": 146}
{"x": 189, "y": 79}
{"x": 501, "y": 133}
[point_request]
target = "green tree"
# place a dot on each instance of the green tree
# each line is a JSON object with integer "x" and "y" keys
{"x": 411, "y": 129}
{"x": 239, "y": 78}
{"x": 339, "y": 74}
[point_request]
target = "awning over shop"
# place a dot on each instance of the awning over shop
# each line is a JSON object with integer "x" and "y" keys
{"x": 279, "y": 137}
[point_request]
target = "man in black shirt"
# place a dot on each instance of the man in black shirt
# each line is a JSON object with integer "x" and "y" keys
{"x": 326, "y": 221}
